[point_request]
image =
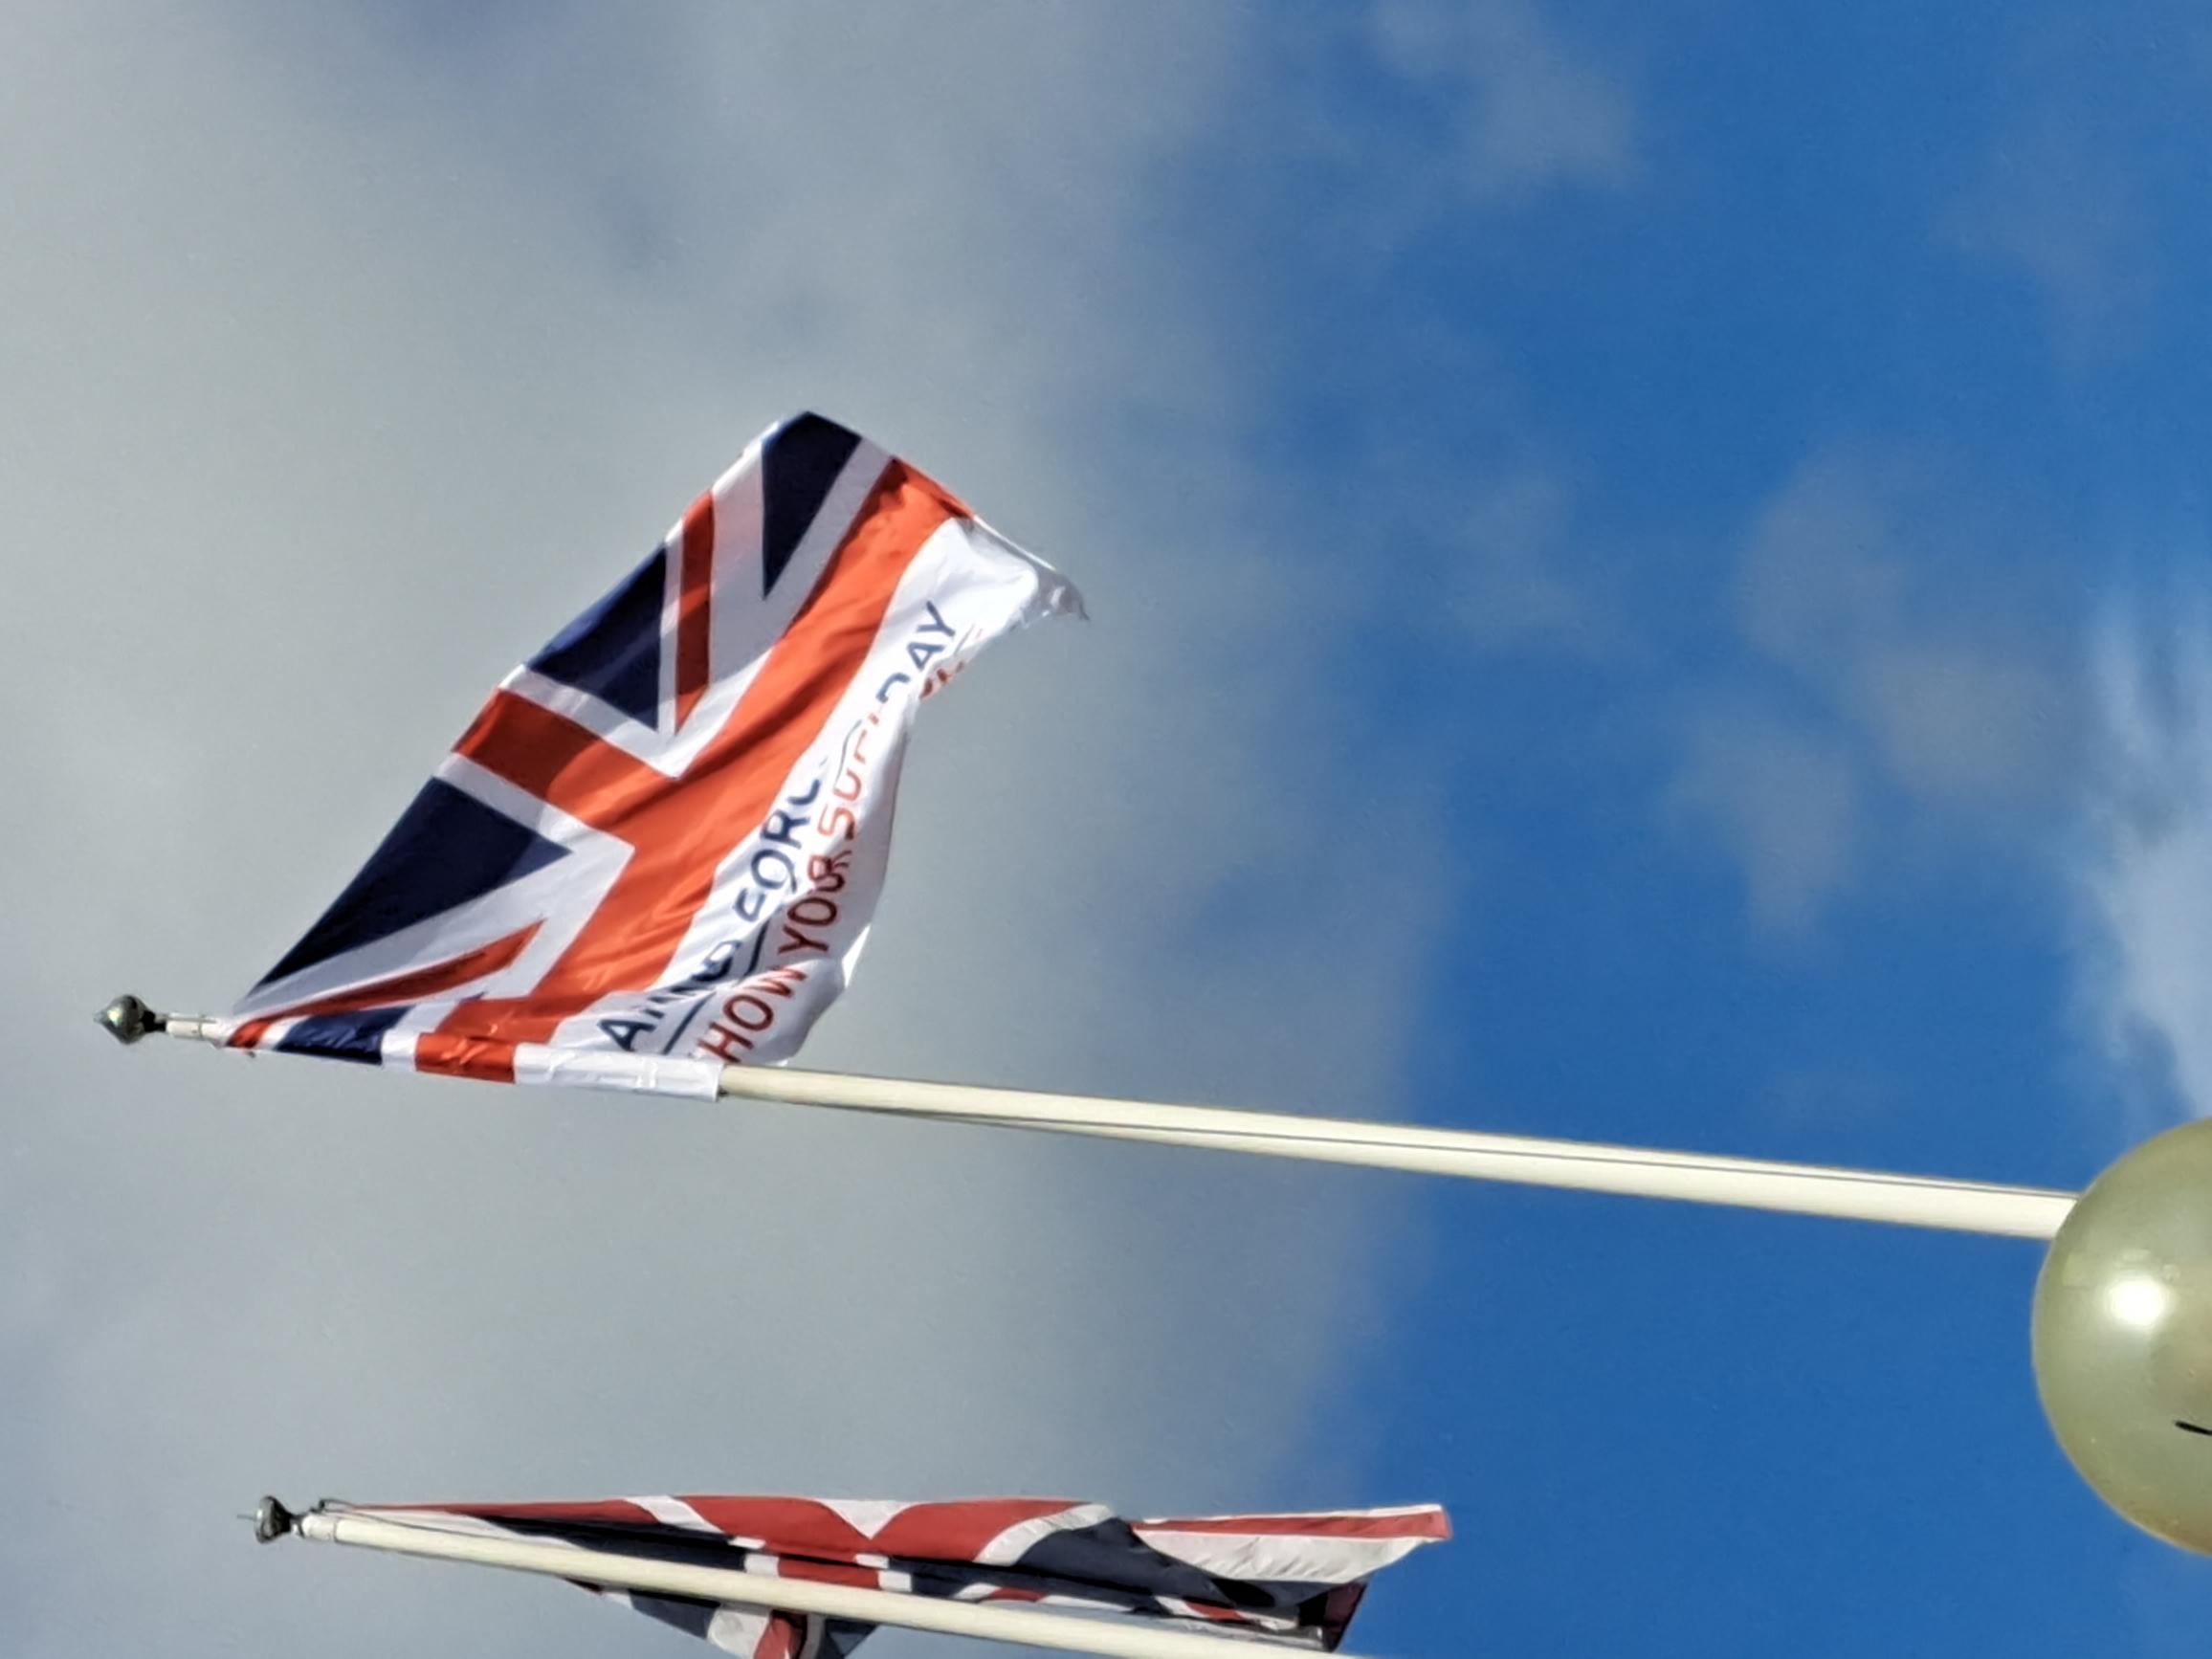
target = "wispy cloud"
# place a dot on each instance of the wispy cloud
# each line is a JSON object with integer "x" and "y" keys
{"x": 2089, "y": 186}
{"x": 1784, "y": 801}
{"x": 1864, "y": 577}
{"x": 1519, "y": 575}
{"x": 1527, "y": 109}
{"x": 2146, "y": 875}
{"x": 2059, "y": 204}
{"x": 1900, "y": 700}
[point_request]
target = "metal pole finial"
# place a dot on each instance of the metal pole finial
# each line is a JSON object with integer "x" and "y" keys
{"x": 272, "y": 1520}
{"x": 128, "y": 1019}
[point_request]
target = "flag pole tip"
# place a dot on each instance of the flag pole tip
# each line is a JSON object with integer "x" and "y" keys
{"x": 128, "y": 1019}
{"x": 272, "y": 1520}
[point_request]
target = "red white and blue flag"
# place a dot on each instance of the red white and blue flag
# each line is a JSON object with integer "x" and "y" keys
{"x": 657, "y": 848}
{"x": 1296, "y": 1579}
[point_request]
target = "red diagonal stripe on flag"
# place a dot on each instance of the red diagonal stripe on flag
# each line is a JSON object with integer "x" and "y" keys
{"x": 557, "y": 761}
{"x": 694, "y": 607}
{"x": 415, "y": 986}
{"x": 782, "y": 1524}
{"x": 680, "y": 831}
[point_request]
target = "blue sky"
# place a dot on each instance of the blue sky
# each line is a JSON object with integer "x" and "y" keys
{"x": 1942, "y": 268}
{"x": 1646, "y": 577}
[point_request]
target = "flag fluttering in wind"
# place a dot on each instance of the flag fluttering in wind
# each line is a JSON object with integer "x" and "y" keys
{"x": 1296, "y": 1579}
{"x": 657, "y": 848}
{"x": 653, "y": 857}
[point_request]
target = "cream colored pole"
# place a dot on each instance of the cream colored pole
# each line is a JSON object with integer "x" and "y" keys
{"x": 1751, "y": 1183}
{"x": 1588, "y": 1166}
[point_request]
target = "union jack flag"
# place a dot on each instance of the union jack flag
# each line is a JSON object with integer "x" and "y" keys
{"x": 1296, "y": 1579}
{"x": 657, "y": 848}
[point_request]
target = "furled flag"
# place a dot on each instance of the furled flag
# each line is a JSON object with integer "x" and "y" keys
{"x": 1296, "y": 1578}
{"x": 657, "y": 848}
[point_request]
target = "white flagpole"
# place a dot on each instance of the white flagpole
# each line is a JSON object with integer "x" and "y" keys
{"x": 1752, "y": 1183}
{"x": 1588, "y": 1166}
{"x": 1061, "y": 1631}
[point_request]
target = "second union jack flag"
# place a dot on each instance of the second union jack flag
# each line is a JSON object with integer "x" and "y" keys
{"x": 1295, "y": 1579}
{"x": 656, "y": 849}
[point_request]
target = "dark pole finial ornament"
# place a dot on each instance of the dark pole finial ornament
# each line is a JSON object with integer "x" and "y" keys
{"x": 126, "y": 1019}
{"x": 272, "y": 1520}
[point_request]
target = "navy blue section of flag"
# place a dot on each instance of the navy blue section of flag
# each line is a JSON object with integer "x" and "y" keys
{"x": 446, "y": 849}
{"x": 358, "y": 1037}
{"x": 799, "y": 463}
{"x": 612, "y": 651}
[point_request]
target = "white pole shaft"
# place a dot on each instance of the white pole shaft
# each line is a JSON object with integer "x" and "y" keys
{"x": 189, "y": 1028}
{"x": 1750, "y": 1184}
{"x": 1743, "y": 1182}
{"x": 731, "y": 1585}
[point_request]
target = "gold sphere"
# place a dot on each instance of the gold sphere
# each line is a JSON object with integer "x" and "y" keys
{"x": 2122, "y": 1336}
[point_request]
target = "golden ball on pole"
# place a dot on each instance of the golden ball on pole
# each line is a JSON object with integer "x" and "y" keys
{"x": 2123, "y": 1335}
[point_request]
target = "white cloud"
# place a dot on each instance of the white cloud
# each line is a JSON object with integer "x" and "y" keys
{"x": 2147, "y": 873}
{"x": 1867, "y": 590}
{"x": 2086, "y": 193}
{"x": 1518, "y": 576}
{"x": 1531, "y": 110}
{"x": 1881, "y": 582}
{"x": 2059, "y": 207}
{"x": 345, "y": 363}
{"x": 1962, "y": 722}
{"x": 1783, "y": 801}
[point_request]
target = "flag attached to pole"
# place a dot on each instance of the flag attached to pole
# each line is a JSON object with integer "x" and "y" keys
{"x": 1295, "y": 1579}
{"x": 657, "y": 848}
